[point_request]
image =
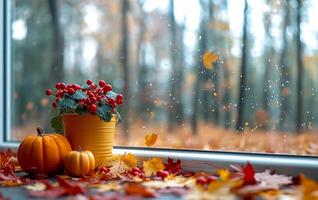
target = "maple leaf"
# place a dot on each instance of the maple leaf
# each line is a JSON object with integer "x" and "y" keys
{"x": 249, "y": 174}
{"x": 151, "y": 139}
{"x": 272, "y": 180}
{"x": 138, "y": 189}
{"x": 122, "y": 163}
{"x": 152, "y": 166}
{"x": 208, "y": 59}
{"x": 173, "y": 167}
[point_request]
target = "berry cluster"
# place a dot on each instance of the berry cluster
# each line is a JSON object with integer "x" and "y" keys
{"x": 205, "y": 180}
{"x": 92, "y": 96}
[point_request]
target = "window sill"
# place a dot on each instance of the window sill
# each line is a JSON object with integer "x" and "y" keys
{"x": 199, "y": 160}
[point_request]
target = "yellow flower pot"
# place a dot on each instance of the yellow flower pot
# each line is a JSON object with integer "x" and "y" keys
{"x": 91, "y": 133}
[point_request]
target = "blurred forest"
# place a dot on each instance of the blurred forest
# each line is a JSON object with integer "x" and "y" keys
{"x": 263, "y": 83}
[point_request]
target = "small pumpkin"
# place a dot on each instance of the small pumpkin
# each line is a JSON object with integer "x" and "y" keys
{"x": 43, "y": 153}
{"x": 79, "y": 163}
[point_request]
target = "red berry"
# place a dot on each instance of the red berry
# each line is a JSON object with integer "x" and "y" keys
{"x": 102, "y": 83}
{"x": 110, "y": 101}
{"x": 119, "y": 97}
{"x": 99, "y": 98}
{"x": 89, "y": 82}
{"x": 48, "y": 92}
{"x": 92, "y": 86}
{"x": 92, "y": 108}
{"x": 54, "y": 104}
{"x": 119, "y": 101}
{"x": 107, "y": 88}
{"x": 210, "y": 179}
{"x": 162, "y": 173}
{"x": 135, "y": 173}
{"x": 90, "y": 94}
{"x": 70, "y": 91}
{"x": 57, "y": 99}
{"x": 201, "y": 180}
{"x": 99, "y": 90}
{"x": 77, "y": 87}
{"x": 93, "y": 99}
{"x": 58, "y": 85}
{"x": 62, "y": 86}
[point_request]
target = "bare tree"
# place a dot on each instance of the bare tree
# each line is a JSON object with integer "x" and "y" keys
{"x": 242, "y": 86}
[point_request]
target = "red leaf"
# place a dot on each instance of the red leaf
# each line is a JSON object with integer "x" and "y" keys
{"x": 249, "y": 173}
{"x": 65, "y": 188}
{"x": 173, "y": 167}
{"x": 7, "y": 172}
{"x": 138, "y": 189}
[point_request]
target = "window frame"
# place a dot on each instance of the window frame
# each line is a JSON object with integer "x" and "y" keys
{"x": 193, "y": 160}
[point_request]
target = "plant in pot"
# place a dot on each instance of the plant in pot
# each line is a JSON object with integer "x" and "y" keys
{"x": 86, "y": 115}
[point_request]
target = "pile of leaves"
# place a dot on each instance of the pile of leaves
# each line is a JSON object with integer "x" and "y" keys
{"x": 127, "y": 177}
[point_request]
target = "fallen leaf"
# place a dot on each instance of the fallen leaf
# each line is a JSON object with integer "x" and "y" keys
{"x": 152, "y": 166}
{"x": 122, "y": 163}
{"x": 309, "y": 188}
{"x": 208, "y": 59}
{"x": 173, "y": 167}
{"x": 111, "y": 186}
{"x": 275, "y": 181}
{"x": 224, "y": 174}
{"x": 177, "y": 181}
{"x": 138, "y": 189}
{"x": 151, "y": 139}
{"x": 11, "y": 183}
{"x": 249, "y": 173}
{"x": 36, "y": 186}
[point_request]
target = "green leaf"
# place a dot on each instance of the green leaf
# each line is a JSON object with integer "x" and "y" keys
{"x": 67, "y": 104}
{"x": 104, "y": 112}
{"x": 57, "y": 124}
{"x": 85, "y": 86}
{"x": 119, "y": 118}
{"x": 111, "y": 95}
{"x": 79, "y": 94}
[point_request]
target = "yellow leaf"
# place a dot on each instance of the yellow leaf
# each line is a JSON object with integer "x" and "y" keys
{"x": 36, "y": 187}
{"x": 121, "y": 163}
{"x": 152, "y": 166}
{"x": 151, "y": 139}
{"x": 309, "y": 188}
{"x": 224, "y": 174}
{"x": 208, "y": 59}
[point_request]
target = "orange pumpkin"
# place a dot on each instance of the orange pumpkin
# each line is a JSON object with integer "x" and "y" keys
{"x": 44, "y": 153}
{"x": 79, "y": 163}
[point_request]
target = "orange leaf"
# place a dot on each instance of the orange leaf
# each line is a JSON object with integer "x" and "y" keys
{"x": 152, "y": 166}
{"x": 139, "y": 190}
{"x": 208, "y": 59}
{"x": 151, "y": 139}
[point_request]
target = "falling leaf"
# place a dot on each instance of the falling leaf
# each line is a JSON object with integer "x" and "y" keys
{"x": 152, "y": 166}
{"x": 151, "y": 139}
{"x": 138, "y": 189}
{"x": 224, "y": 174}
{"x": 208, "y": 59}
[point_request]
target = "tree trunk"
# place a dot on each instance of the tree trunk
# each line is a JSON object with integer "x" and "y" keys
{"x": 285, "y": 72}
{"x": 242, "y": 98}
{"x": 175, "y": 101}
{"x": 57, "y": 71}
{"x": 124, "y": 63}
{"x": 300, "y": 68}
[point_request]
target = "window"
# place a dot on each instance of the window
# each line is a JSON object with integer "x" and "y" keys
{"x": 259, "y": 96}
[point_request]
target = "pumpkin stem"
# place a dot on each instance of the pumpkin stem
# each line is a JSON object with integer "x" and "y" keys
{"x": 40, "y": 131}
{"x": 80, "y": 148}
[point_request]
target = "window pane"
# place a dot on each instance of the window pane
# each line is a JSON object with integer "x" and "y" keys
{"x": 217, "y": 75}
